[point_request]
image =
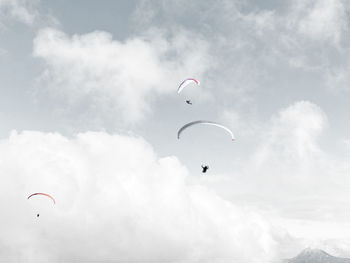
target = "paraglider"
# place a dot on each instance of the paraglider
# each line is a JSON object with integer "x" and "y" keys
{"x": 43, "y": 194}
{"x": 189, "y": 102}
{"x": 187, "y": 82}
{"x": 207, "y": 123}
{"x": 204, "y": 168}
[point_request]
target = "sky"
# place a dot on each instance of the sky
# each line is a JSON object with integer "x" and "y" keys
{"x": 89, "y": 113}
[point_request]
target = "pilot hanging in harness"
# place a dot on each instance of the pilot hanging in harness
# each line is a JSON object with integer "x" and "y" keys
{"x": 204, "y": 168}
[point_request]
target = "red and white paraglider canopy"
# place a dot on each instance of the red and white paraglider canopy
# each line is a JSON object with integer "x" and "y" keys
{"x": 187, "y": 82}
{"x": 49, "y": 196}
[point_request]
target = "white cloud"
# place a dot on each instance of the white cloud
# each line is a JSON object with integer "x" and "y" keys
{"x": 292, "y": 177}
{"x": 319, "y": 19}
{"x": 292, "y": 134}
{"x": 118, "y": 77}
{"x": 255, "y": 42}
{"x": 289, "y": 172}
{"x": 291, "y": 157}
{"x": 22, "y": 10}
{"x": 116, "y": 201}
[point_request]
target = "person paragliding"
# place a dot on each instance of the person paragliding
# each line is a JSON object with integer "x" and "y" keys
{"x": 204, "y": 168}
{"x": 189, "y": 102}
{"x": 42, "y": 194}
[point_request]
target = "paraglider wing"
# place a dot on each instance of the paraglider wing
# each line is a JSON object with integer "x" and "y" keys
{"x": 185, "y": 83}
{"x": 53, "y": 199}
{"x": 207, "y": 123}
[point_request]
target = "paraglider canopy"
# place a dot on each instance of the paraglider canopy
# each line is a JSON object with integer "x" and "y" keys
{"x": 43, "y": 194}
{"x": 207, "y": 123}
{"x": 187, "y": 82}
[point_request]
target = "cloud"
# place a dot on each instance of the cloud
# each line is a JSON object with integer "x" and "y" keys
{"x": 292, "y": 175}
{"x": 119, "y": 78}
{"x": 116, "y": 201}
{"x": 22, "y": 10}
{"x": 290, "y": 171}
{"x": 254, "y": 43}
{"x": 293, "y": 133}
{"x": 290, "y": 156}
{"x": 319, "y": 19}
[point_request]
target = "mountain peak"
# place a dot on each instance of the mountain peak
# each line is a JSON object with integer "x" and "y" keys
{"x": 311, "y": 255}
{"x": 314, "y": 251}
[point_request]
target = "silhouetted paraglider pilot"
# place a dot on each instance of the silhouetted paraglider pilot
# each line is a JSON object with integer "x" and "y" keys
{"x": 205, "y": 168}
{"x": 189, "y": 102}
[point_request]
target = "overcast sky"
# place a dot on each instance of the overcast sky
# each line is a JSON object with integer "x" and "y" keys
{"x": 89, "y": 113}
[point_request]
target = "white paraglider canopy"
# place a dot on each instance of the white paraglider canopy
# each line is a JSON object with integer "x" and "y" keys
{"x": 207, "y": 123}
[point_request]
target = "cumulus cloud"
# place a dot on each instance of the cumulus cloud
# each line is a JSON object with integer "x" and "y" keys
{"x": 290, "y": 154}
{"x": 122, "y": 78}
{"x": 116, "y": 201}
{"x": 290, "y": 171}
{"x": 293, "y": 133}
{"x": 293, "y": 177}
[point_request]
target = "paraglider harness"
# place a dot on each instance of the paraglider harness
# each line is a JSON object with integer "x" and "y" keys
{"x": 204, "y": 168}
